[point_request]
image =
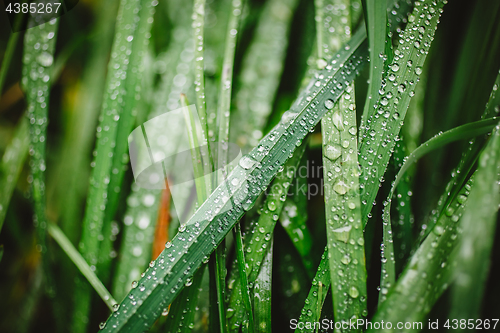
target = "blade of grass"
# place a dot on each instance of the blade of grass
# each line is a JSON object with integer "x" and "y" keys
{"x": 272, "y": 152}
{"x": 388, "y": 275}
{"x": 262, "y": 294}
{"x": 12, "y": 163}
{"x": 293, "y": 219}
{"x": 143, "y": 203}
{"x": 183, "y": 309}
{"x": 39, "y": 48}
{"x": 82, "y": 265}
{"x": 223, "y": 115}
{"x": 478, "y": 224}
{"x": 345, "y": 238}
{"x": 9, "y": 51}
{"x": 77, "y": 144}
{"x": 117, "y": 117}
{"x": 384, "y": 122}
{"x": 376, "y": 25}
{"x": 258, "y": 239}
{"x": 311, "y": 312}
{"x": 261, "y": 71}
{"x": 427, "y": 275}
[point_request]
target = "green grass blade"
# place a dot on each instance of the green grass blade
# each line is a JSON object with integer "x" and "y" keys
{"x": 9, "y": 51}
{"x": 224, "y": 102}
{"x": 261, "y": 71}
{"x": 142, "y": 204}
{"x": 427, "y": 275}
{"x": 240, "y": 255}
{"x": 262, "y": 294}
{"x": 376, "y": 24}
{"x": 258, "y": 240}
{"x": 11, "y": 165}
{"x": 116, "y": 120}
{"x": 183, "y": 309}
{"x": 82, "y": 265}
{"x": 388, "y": 275}
{"x": 311, "y": 312}
{"x": 79, "y": 137}
{"x": 384, "y": 122}
{"x": 293, "y": 219}
{"x": 39, "y": 48}
{"x": 345, "y": 238}
{"x": 250, "y": 177}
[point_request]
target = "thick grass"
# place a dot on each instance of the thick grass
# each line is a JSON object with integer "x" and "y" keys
{"x": 335, "y": 211}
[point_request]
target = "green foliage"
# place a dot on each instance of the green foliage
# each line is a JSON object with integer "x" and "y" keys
{"x": 329, "y": 101}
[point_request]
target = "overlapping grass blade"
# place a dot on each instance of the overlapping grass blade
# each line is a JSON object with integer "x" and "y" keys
{"x": 388, "y": 275}
{"x": 116, "y": 120}
{"x": 311, "y": 312}
{"x": 258, "y": 238}
{"x": 142, "y": 204}
{"x": 11, "y": 165}
{"x": 384, "y": 122}
{"x": 181, "y": 315}
{"x": 340, "y": 160}
{"x": 75, "y": 151}
{"x": 39, "y": 47}
{"x": 215, "y": 218}
{"x": 9, "y": 51}
{"x": 293, "y": 219}
{"x": 376, "y": 24}
{"x": 262, "y": 294}
{"x": 427, "y": 274}
{"x": 261, "y": 71}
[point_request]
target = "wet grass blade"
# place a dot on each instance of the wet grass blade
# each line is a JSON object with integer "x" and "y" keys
{"x": 142, "y": 204}
{"x": 261, "y": 71}
{"x": 427, "y": 274}
{"x": 39, "y": 48}
{"x": 384, "y": 122}
{"x": 11, "y": 165}
{"x": 9, "y": 51}
{"x": 345, "y": 239}
{"x": 262, "y": 294}
{"x": 376, "y": 25}
{"x": 388, "y": 275}
{"x": 82, "y": 265}
{"x": 116, "y": 120}
{"x": 258, "y": 238}
{"x": 478, "y": 223}
{"x": 293, "y": 219}
{"x": 214, "y": 218}
{"x": 311, "y": 312}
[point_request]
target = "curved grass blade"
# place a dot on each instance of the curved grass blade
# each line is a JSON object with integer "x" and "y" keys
{"x": 9, "y": 51}
{"x": 12, "y": 163}
{"x": 388, "y": 275}
{"x": 478, "y": 224}
{"x": 82, "y": 265}
{"x": 116, "y": 120}
{"x": 345, "y": 238}
{"x": 258, "y": 240}
{"x": 427, "y": 274}
{"x": 39, "y": 47}
{"x": 261, "y": 72}
{"x": 211, "y": 222}
{"x": 384, "y": 122}
{"x": 262, "y": 294}
{"x": 311, "y": 312}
